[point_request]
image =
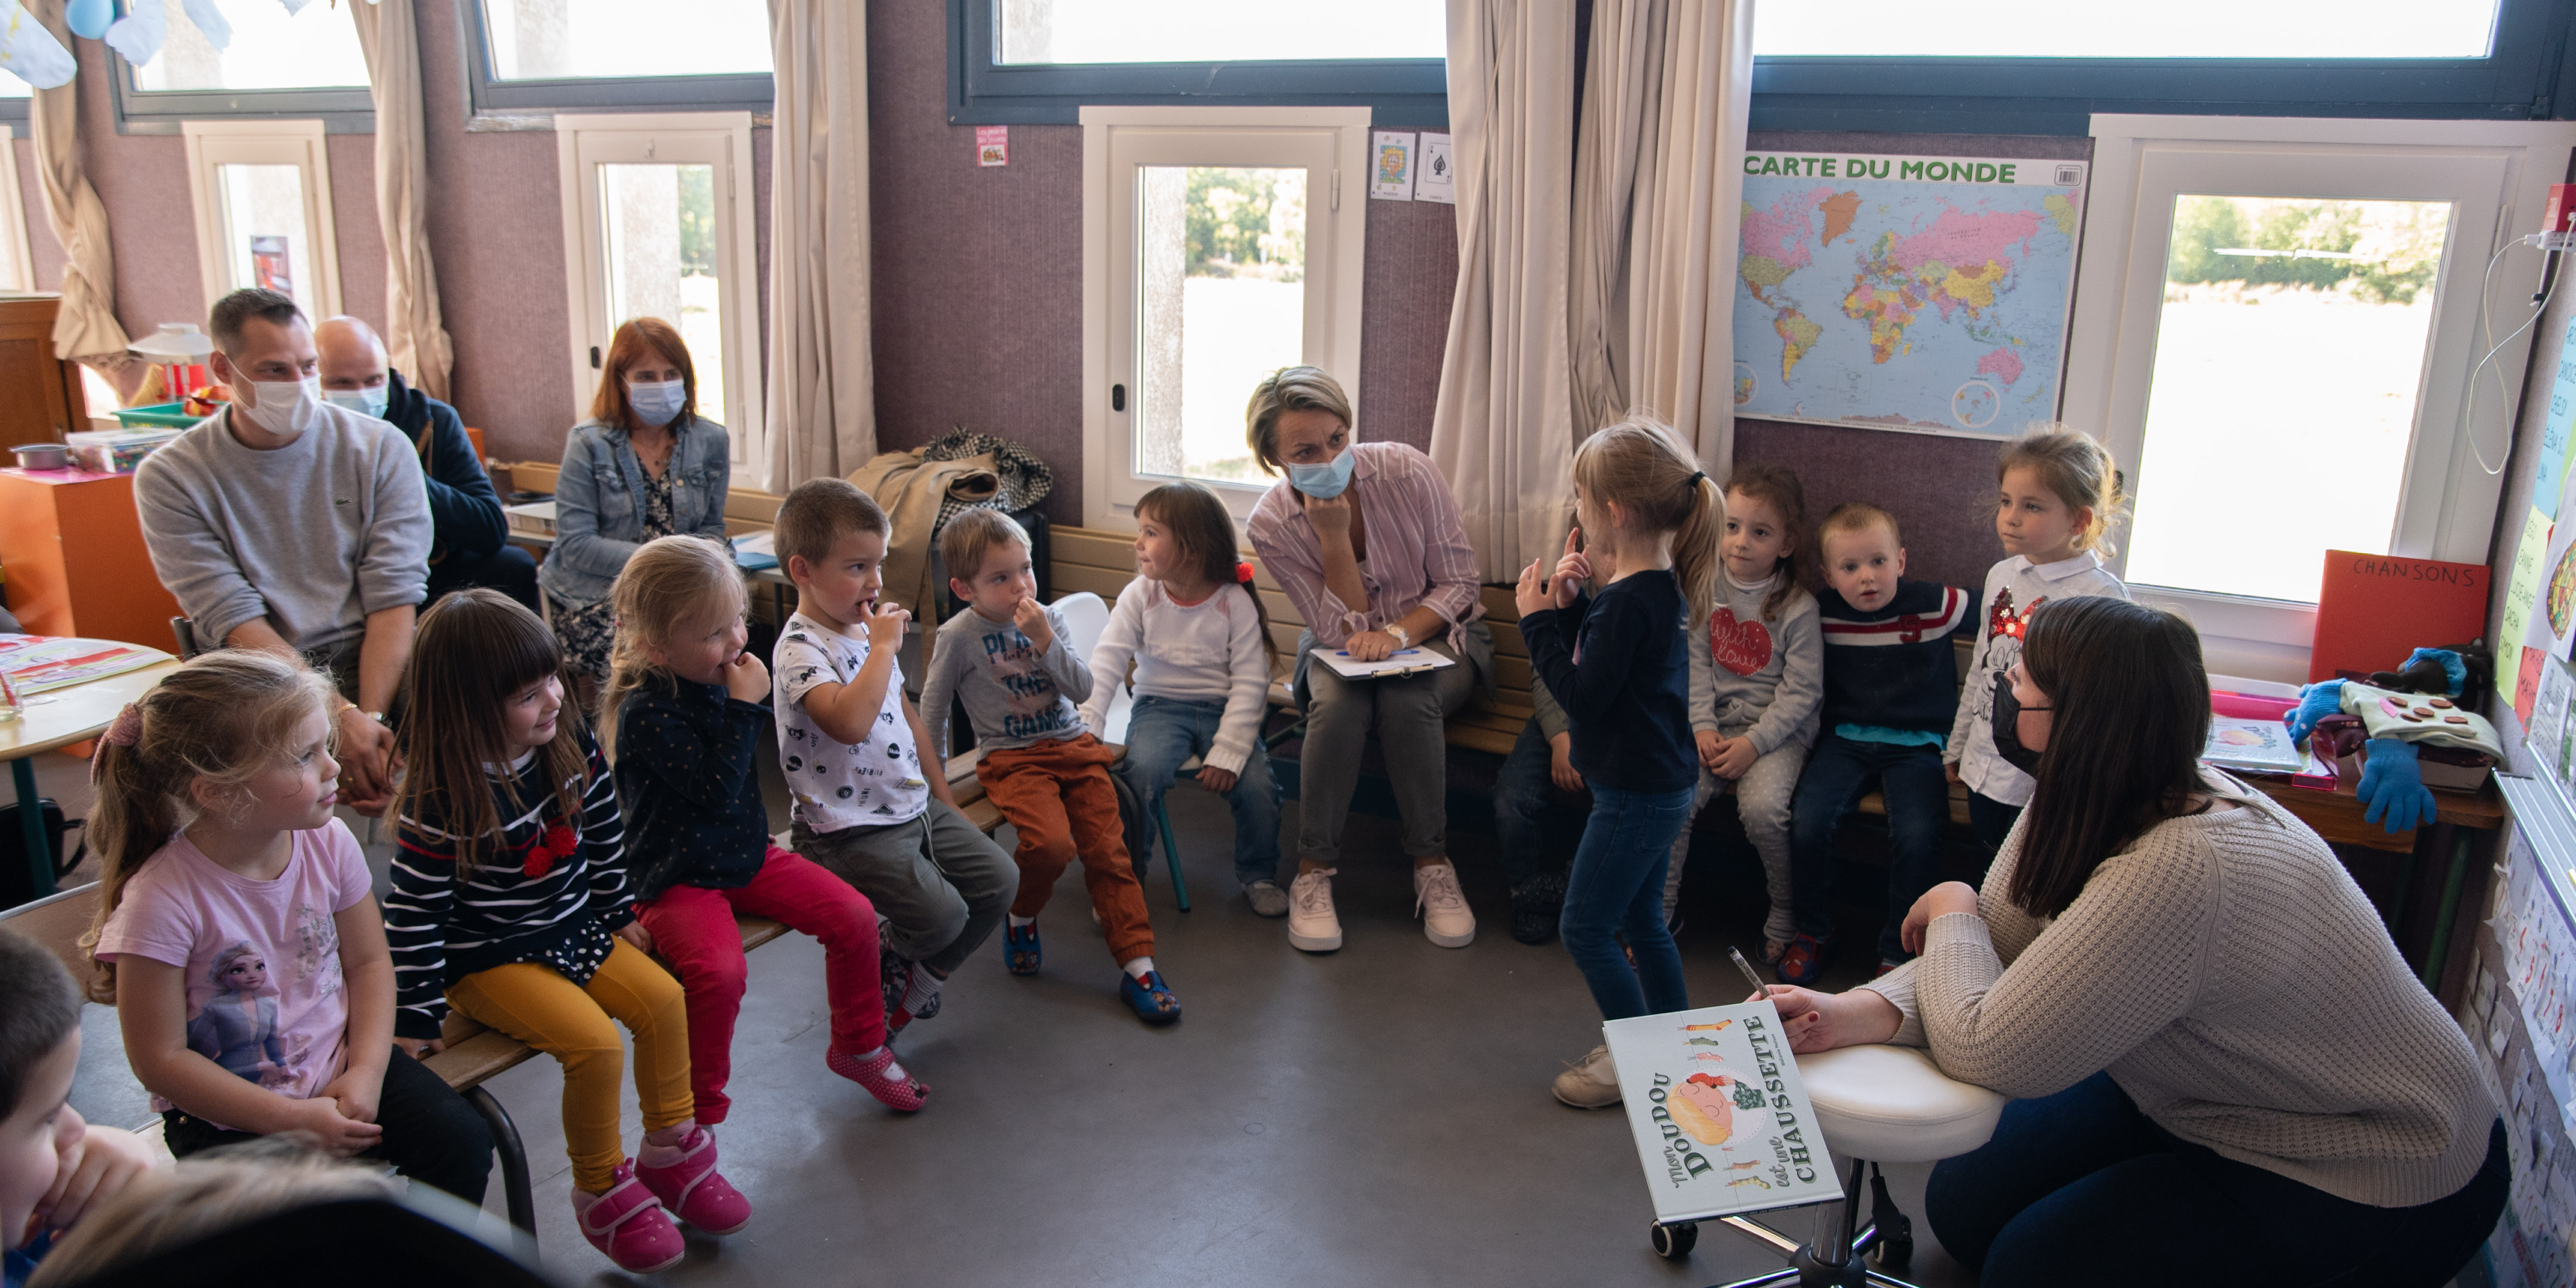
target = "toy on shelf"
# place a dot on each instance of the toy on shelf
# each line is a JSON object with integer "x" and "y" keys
{"x": 2403, "y": 736}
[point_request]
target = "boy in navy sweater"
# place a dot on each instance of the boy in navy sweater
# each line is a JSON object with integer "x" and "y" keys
{"x": 1891, "y": 691}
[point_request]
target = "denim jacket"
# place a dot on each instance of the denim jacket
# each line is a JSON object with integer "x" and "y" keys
{"x": 599, "y": 503}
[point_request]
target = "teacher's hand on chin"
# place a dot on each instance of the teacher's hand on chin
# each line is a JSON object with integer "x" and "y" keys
{"x": 1823, "y": 1021}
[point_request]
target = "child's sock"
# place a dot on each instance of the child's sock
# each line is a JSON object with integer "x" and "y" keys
{"x": 1019, "y": 922}
{"x": 924, "y": 991}
{"x": 1139, "y": 967}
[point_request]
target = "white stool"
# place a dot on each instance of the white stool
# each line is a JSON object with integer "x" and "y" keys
{"x": 1876, "y": 1104}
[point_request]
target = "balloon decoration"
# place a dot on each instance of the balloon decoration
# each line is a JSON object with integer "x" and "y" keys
{"x": 138, "y": 35}
{"x": 88, "y": 19}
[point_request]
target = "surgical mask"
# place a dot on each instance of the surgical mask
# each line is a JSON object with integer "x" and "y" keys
{"x": 2007, "y": 721}
{"x": 368, "y": 401}
{"x": 284, "y": 407}
{"x": 1326, "y": 481}
{"x": 656, "y": 401}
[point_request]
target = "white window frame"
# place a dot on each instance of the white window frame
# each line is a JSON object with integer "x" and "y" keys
{"x": 720, "y": 139}
{"x": 1115, "y": 141}
{"x": 295, "y": 143}
{"x": 2499, "y": 172}
{"x": 13, "y": 217}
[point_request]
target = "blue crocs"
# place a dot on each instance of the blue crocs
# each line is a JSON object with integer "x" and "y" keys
{"x": 1150, "y": 998}
{"x": 1020, "y": 948}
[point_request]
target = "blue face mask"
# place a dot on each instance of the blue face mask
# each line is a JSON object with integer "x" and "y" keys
{"x": 655, "y": 402}
{"x": 369, "y": 401}
{"x": 1326, "y": 481}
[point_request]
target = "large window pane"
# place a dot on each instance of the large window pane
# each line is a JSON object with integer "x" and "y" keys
{"x": 571, "y": 39}
{"x": 658, "y": 234}
{"x": 2338, "y": 297}
{"x": 314, "y": 48}
{"x": 1200, "y": 31}
{"x": 12, "y": 87}
{"x": 265, "y": 241}
{"x": 2174, "y": 29}
{"x": 1221, "y": 296}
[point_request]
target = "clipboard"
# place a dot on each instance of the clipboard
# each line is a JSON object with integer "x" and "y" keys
{"x": 1407, "y": 661}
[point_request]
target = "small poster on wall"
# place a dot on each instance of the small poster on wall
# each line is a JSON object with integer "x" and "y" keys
{"x": 1391, "y": 166}
{"x": 1435, "y": 171}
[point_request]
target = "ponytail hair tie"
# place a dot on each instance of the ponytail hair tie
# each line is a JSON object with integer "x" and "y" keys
{"x": 1243, "y": 574}
{"x": 124, "y": 731}
{"x": 1696, "y": 476}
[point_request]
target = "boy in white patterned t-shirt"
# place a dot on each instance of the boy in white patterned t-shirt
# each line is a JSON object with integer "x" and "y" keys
{"x": 866, "y": 808}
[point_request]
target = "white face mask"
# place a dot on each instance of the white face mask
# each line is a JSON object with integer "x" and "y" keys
{"x": 283, "y": 407}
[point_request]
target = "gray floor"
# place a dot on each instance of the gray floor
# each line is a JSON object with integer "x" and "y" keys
{"x": 1378, "y": 1115}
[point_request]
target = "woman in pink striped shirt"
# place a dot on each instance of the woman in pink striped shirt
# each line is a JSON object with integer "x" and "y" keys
{"x": 1366, "y": 540}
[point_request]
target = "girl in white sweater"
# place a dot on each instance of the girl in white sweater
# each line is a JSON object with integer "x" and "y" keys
{"x": 1194, "y": 627}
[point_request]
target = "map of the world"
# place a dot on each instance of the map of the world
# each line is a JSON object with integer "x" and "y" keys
{"x": 1916, "y": 293}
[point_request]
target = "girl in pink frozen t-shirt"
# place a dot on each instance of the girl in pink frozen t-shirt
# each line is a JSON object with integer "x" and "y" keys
{"x": 237, "y": 935}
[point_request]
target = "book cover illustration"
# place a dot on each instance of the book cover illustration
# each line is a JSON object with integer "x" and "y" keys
{"x": 2257, "y": 746}
{"x": 1721, "y": 1120}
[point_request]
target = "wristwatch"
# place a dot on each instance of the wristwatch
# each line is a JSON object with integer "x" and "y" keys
{"x": 1402, "y": 639}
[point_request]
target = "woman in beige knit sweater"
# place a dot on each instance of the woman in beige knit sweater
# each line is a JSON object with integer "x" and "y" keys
{"x": 2225, "y": 1072}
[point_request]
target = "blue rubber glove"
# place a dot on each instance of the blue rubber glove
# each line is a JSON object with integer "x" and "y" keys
{"x": 2455, "y": 671}
{"x": 2392, "y": 783}
{"x": 2316, "y": 702}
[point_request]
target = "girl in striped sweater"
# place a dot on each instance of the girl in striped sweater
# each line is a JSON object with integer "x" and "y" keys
{"x": 510, "y": 903}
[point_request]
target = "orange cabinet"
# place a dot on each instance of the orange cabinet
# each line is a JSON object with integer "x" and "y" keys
{"x": 72, "y": 555}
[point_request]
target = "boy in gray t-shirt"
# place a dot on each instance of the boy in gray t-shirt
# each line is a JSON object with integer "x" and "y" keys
{"x": 1007, "y": 658}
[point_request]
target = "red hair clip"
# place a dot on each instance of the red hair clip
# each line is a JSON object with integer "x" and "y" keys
{"x": 1243, "y": 574}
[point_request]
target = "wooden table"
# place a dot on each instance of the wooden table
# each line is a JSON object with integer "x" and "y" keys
{"x": 2338, "y": 818}
{"x": 59, "y": 719}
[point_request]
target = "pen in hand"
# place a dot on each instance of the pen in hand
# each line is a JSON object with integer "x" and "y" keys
{"x": 1760, "y": 992}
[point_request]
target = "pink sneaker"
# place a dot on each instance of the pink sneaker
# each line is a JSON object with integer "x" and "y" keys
{"x": 628, "y": 1224}
{"x": 690, "y": 1187}
{"x": 883, "y": 1078}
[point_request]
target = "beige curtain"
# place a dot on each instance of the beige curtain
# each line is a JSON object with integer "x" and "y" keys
{"x": 822, "y": 376}
{"x": 415, "y": 333}
{"x": 85, "y": 327}
{"x": 1659, "y": 194}
{"x": 1503, "y": 429}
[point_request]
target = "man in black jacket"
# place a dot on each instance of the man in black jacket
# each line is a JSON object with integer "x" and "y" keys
{"x": 469, "y": 545}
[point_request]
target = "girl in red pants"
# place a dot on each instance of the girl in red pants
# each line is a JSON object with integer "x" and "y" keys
{"x": 682, "y": 708}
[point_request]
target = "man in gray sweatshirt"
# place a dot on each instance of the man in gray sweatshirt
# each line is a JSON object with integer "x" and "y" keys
{"x": 285, "y": 523}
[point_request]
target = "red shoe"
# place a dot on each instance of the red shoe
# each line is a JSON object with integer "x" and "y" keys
{"x": 883, "y": 1078}
{"x": 1805, "y": 960}
{"x": 628, "y": 1224}
{"x": 692, "y": 1190}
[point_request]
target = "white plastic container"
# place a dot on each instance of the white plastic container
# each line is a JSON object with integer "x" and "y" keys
{"x": 115, "y": 451}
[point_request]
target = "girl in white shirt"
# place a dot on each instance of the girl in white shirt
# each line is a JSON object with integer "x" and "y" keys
{"x": 1200, "y": 641}
{"x": 2058, "y": 494}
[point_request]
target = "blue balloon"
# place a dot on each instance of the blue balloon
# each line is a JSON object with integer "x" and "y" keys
{"x": 89, "y": 19}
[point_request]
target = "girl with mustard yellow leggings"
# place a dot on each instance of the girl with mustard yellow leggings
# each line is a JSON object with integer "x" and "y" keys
{"x": 510, "y": 903}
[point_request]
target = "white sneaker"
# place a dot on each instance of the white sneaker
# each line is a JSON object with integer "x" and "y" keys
{"x": 1442, "y": 907}
{"x": 1591, "y": 1084}
{"x": 1311, "y": 923}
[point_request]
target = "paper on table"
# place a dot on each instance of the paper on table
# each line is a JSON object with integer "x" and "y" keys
{"x": 756, "y": 552}
{"x": 1721, "y": 1118}
{"x": 42, "y": 663}
{"x": 1401, "y": 662}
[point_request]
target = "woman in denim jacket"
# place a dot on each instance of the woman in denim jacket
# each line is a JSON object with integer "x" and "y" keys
{"x": 644, "y": 465}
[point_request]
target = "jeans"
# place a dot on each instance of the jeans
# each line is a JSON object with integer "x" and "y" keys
{"x": 1618, "y": 888}
{"x": 1918, "y": 803}
{"x": 693, "y": 929}
{"x": 1525, "y": 793}
{"x": 2081, "y": 1187}
{"x": 1992, "y": 821}
{"x": 431, "y": 1135}
{"x": 1163, "y": 732}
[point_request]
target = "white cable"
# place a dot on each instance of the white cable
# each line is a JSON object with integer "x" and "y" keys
{"x": 2468, "y": 408}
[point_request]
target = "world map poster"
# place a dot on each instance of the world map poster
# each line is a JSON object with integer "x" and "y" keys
{"x": 1926, "y": 294}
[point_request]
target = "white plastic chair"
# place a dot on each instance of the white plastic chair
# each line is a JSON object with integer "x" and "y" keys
{"x": 1085, "y": 618}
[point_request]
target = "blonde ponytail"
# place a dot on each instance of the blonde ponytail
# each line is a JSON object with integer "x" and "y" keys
{"x": 1640, "y": 465}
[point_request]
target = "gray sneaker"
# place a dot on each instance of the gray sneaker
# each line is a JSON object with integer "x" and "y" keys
{"x": 1268, "y": 900}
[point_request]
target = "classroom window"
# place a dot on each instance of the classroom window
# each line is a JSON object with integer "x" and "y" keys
{"x": 1217, "y": 250}
{"x": 527, "y": 55}
{"x": 274, "y": 62}
{"x": 262, "y": 192}
{"x": 658, "y": 217}
{"x": 14, "y": 96}
{"x": 1042, "y": 61}
{"x": 2275, "y": 325}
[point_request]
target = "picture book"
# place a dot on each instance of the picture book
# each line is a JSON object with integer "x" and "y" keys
{"x": 2255, "y": 746}
{"x": 1403, "y": 661}
{"x": 1722, "y": 1123}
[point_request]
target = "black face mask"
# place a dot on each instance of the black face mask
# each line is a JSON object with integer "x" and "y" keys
{"x": 2007, "y": 728}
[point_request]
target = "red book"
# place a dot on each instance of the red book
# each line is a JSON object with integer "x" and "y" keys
{"x": 2373, "y": 610}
